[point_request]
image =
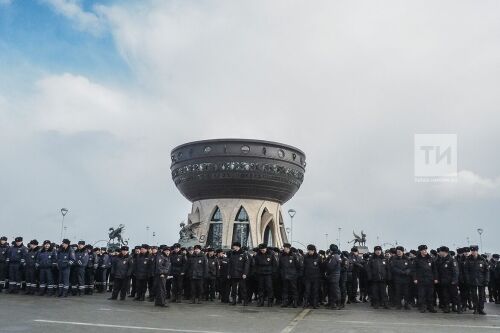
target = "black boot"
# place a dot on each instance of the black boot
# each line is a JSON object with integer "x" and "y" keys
{"x": 270, "y": 302}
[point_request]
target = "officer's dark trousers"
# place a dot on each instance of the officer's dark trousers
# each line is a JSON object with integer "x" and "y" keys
{"x": 311, "y": 290}
{"x": 77, "y": 280}
{"x": 160, "y": 290}
{"x": 120, "y": 286}
{"x": 265, "y": 286}
{"x": 289, "y": 290}
{"x": 177, "y": 284}
{"x": 196, "y": 288}
{"x": 89, "y": 280}
{"x": 14, "y": 276}
{"x": 168, "y": 288}
{"x": 30, "y": 277}
{"x": 425, "y": 295}
{"x": 379, "y": 294}
{"x": 210, "y": 288}
{"x": 478, "y": 297}
{"x": 449, "y": 294}
{"x": 3, "y": 275}
{"x": 497, "y": 291}
{"x": 63, "y": 280}
{"x": 238, "y": 287}
{"x": 464, "y": 294}
{"x": 141, "y": 286}
{"x": 333, "y": 291}
{"x": 223, "y": 288}
{"x": 47, "y": 280}
{"x": 401, "y": 292}
{"x": 352, "y": 287}
{"x": 151, "y": 288}
{"x": 100, "y": 279}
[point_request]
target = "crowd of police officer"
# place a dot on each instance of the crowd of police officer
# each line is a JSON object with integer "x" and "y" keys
{"x": 288, "y": 277}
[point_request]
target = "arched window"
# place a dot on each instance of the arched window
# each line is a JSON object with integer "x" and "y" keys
{"x": 214, "y": 238}
{"x": 241, "y": 228}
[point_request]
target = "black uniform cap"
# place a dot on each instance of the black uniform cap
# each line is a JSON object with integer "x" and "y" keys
{"x": 422, "y": 247}
{"x": 354, "y": 249}
{"x": 287, "y": 245}
{"x": 197, "y": 246}
{"x": 400, "y": 248}
{"x": 34, "y": 242}
{"x": 18, "y": 239}
{"x": 311, "y": 247}
{"x": 124, "y": 248}
{"x": 444, "y": 249}
{"x": 474, "y": 248}
{"x": 3, "y": 238}
{"x": 81, "y": 242}
{"x": 262, "y": 246}
{"x": 66, "y": 241}
{"x": 238, "y": 244}
{"x": 378, "y": 247}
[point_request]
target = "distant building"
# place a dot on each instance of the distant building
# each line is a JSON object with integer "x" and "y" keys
{"x": 237, "y": 187}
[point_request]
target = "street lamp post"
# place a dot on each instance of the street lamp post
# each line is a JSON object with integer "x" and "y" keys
{"x": 292, "y": 213}
{"x": 288, "y": 234}
{"x": 326, "y": 237}
{"x": 338, "y": 239}
{"x": 64, "y": 211}
{"x": 480, "y": 232}
{"x": 147, "y": 233}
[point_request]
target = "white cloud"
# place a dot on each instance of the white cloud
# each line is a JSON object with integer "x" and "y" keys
{"x": 73, "y": 10}
{"x": 350, "y": 84}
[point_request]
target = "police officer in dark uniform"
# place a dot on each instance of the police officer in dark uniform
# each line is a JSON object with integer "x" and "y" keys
{"x": 448, "y": 272}
{"x": 197, "y": 269}
{"x": 355, "y": 266}
{"x": 289, "y": 268}
{"x": 492, "y": 287}
{"x": 142, "y": 269}
{"x": 65, "y": 259}
{"x": 121, "y": 269}
{"x": 401, "y": 277}
{"x": 179, "y": 264}
{"x": 477, "y": 277}
{"x": 223, "y": 284}
{"x": 104, "y": 263}
{"x": 239, "y": 268}
{"x": 46, "y": 260}
{"x": 210, "y": 281}
{"x": 265, "y": 264}
{"x": 378, "y": 274}
{"x": 4, "y": 247}
{"x": 496, "y": 276}
{"x": 16, "y": 258}
{"x": 30, "y": 269}
{"x": 311, "y": 271}
{"x": 425, "y": 277}
{"x": 78, "y": 269}
{"x": 332, "y": 267}
{"x": 92, "y": 264}
{"x": 162, "y": 269}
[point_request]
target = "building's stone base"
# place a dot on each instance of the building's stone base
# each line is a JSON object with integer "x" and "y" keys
{"x": 265, "y": 222}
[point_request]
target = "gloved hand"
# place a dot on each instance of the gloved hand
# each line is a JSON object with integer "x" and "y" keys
{"x": 71, "y": 262}
{"x": 79, "y": 262}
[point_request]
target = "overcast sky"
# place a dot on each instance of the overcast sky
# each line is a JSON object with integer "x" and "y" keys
{"x": 95, "y": 94}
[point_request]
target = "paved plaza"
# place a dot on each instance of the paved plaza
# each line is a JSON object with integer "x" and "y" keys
{"x": 19, "y": 313}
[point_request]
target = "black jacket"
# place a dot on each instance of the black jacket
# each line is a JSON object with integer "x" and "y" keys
{"x": 122, "y": 266}
{"x": 311, "y": 268}
{"x": 264, "y": 263}
{"x": 213, "y": 267}
{"x": 377, "y": 268}
{"x": 424, "y": 269}
{"x": 400, "y": 269}
{"x": 332, "y": 267}
{"x": 142, "y": 266}
{"x": 197, "y": 266}
{"x": 179, "y": 263}
{"x": 161, "y": 265}
{"x": 448, "y": 270}
{"x": 477, "y": 271}
{"x": 239, "y": 264}
{"x": 289, "y": 266}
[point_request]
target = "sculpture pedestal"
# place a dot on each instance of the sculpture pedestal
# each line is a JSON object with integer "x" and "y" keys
{"x": 363, "y": 249}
